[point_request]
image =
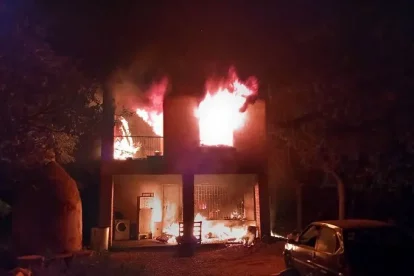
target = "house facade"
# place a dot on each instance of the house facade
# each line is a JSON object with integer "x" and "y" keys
{"x": 224, "y": 187}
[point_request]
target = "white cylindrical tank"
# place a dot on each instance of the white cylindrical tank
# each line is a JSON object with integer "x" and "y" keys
{"x": 100, "y": 238}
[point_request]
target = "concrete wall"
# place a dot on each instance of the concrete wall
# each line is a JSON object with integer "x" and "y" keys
{"x": 249, "y": 200}
{"x": 181, "y": 134}
{"x": 257, "y": 207}
{"x": 250, "y": 140}
{"x": 128, "y": 187}
{"x": 239, "y": 181}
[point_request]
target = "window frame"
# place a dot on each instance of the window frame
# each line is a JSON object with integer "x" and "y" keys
{"x": 304, "y": 231}
{"x": 337, "y": 238}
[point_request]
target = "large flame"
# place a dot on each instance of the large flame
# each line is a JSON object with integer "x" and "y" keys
{"x": 220, "y": 112}
{"x": 210, "y": 231}
{"x": 124, "y": 146}
{"x": 153, "y": 118}
{"x": 150, "y": 112}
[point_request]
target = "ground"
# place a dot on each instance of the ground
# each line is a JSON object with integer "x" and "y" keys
{"x": 235, "y": 260}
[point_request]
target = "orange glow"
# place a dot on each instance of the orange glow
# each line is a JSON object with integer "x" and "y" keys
{"x": 124, "y": 146}
{"x": 153, "y": 118}
{"x": 152, "y": 113}
{"x": 219, "y": 113}
{"x": 216, "y": 229}
{"x": 211, "y": 230}
{"x": 156, "y": 209}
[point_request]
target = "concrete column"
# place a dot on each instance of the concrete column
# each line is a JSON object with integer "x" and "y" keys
{"x": 181, "y": 135}
{"x": 188, "y": 242}
{"x": 107, "y": 155}
{"x": 263, "y": 190}
{"x": 108, "y": 123}
{"x": 272, "y": 206}
{"x": 249, "y": 203}
{"x": 106, "y": 200}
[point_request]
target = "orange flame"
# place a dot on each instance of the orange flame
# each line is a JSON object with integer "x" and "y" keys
{"x": 153, "y": 118}
{"x": 210, "y": 231}
{"x": 124, "y": 146}
{"x": 152, "y": 114}
{"x": 220, "y": 112}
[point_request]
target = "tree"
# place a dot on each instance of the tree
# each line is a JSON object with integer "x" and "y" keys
{"x": 47, "y": 103}
{"x": 354, "y": 100}
{"x": 47, "y": 106}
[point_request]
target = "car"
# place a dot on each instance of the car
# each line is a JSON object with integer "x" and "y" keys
{"x": 350, "y": 248}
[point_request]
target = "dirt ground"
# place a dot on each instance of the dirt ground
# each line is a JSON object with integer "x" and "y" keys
{"x": 235, "y": 260}
{"x": 262, "y": 259}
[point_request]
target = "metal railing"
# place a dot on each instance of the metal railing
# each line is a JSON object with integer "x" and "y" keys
{"x": 143, "y": 145}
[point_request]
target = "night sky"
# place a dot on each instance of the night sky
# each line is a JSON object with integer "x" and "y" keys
{"x": 195, "y": 39}
{"x": 206, "y": 34}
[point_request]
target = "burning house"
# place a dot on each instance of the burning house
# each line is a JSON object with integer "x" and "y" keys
{"x": 197, "y": 169}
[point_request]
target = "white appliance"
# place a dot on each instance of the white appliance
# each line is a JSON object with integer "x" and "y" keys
{"x": 146, "y": 202}
{"x": 145, "y": 225}
{"x": 122, "y": 229}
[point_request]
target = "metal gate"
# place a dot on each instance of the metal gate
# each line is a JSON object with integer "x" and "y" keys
{"x": 214, "y": 203}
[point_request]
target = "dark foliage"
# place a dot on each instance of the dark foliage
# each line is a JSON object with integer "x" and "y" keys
{"x": 47, "y": 104}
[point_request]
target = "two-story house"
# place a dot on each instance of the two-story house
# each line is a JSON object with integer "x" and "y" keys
{"x": 176, "y": 179}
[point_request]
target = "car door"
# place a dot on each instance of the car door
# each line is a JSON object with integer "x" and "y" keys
{"x": 304, "y": 251}
{"x": 327, "y": 253}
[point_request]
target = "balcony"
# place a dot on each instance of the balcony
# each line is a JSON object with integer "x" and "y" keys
{"x": 145, "y": 155}
{"x": 137, "y": 147}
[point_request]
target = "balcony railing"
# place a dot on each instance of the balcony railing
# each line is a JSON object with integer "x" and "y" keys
{"x": 137, "y": 147}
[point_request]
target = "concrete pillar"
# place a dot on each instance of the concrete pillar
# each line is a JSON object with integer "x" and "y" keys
{"x": 188, "y": 242}
{"x": 108, "y": 123}
{"x": 250, "y": 140}
{"x": 272, "y": 206}
{"x": 181, "y": 135}
{"x": 107, "y": 155}
{"x": 249, "y": 203}
{"x": 106, "y": 199}
{"x": 264, "y": 211}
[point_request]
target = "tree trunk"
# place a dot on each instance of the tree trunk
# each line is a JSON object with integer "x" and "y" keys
{"x": 341, "y": 194}
{"x": 299, "y": 208}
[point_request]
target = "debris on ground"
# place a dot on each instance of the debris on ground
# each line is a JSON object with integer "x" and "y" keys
{"x": 163, "y": 238}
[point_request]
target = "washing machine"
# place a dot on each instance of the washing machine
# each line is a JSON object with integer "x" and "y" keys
{"x": 122, "y": 229}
